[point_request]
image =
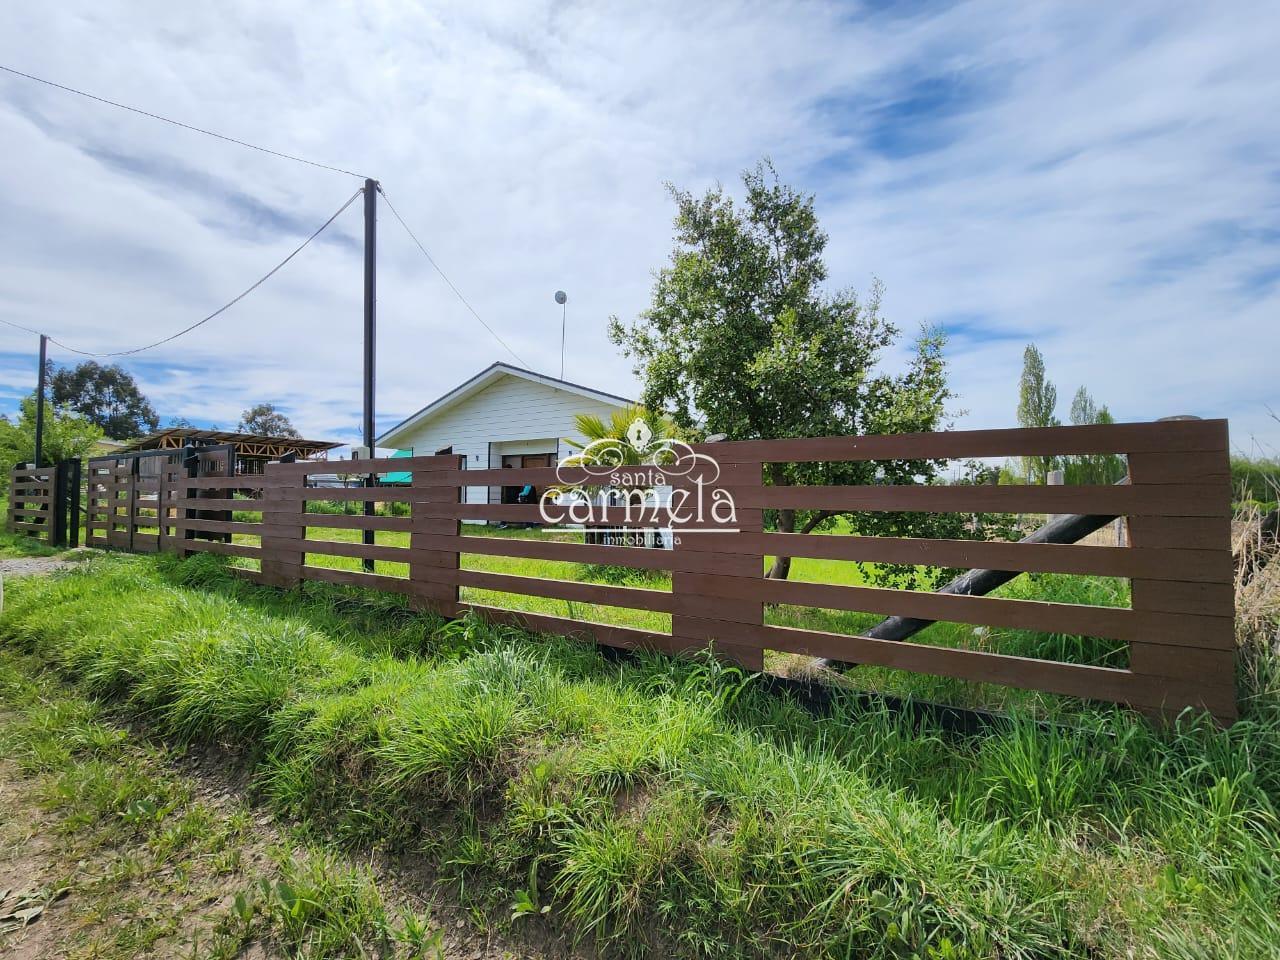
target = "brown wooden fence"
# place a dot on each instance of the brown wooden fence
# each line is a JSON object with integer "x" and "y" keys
{"x": 44, "y": 503}
{"x": 31, "y": 501}
{"x": 1178, "y": 628}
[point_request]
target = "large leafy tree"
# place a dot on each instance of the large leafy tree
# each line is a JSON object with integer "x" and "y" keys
{"x": 742, "y": 338}
{"x": 66, "y": 434}
{"x": 265, "y": 419}
{"x": 109, "y": 396}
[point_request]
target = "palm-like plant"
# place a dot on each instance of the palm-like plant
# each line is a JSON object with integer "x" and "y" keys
{"x": 621, "y": 452}
{"x": 628, "y": 438}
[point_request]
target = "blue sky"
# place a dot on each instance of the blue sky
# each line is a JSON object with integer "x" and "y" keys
{"x": 1101, "y": 179}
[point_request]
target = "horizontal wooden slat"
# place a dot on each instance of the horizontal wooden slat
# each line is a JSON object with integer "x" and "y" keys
{"x": 1172, "y": 437}
{"x": 1212, "y": 533}
{"x": 337, "y": 548}
{"x": 227, "y": 549}
{"x": 303, "y": 468}
{"x": 610, "y": 635}
{"x": 642, "y": 558}
{"x": 353, "y": 522}
{"x": 1111, "y": 622}
{"x": 1212, "y": 668}
{"x": 351, "y": 578}
{"x": 1079, "y": 680}
{"x": 253, "y": 482}
{"x": 1172, "y": 596}
{"x": 634, "y": 597}
{"x": 543, "y": 477}
{"x": 1172, "y": 564}
{"x": 528, "y": 513}
{"x": 371, "y": 494}
{"x": 1187, "y": 500}
{"x": 219, "y": 526}
{"x": 213, "y": 503}
{"x": 1212, "y": 467}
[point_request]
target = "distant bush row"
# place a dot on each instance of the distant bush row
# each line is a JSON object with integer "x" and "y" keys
{"x": 1256, "y": 479}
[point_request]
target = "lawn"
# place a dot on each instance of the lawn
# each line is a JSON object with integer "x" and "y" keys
{"x": 663, "y": 807}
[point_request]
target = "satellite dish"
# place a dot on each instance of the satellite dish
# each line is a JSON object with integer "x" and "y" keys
{"x": 561, "y": 297}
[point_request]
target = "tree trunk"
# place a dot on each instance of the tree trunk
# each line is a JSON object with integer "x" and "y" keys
{"x": 781, "y": 567}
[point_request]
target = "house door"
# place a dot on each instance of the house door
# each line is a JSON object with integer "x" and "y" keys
{"x": 511, "y": 494}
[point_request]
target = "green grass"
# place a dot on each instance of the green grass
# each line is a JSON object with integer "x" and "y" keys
{"x": 671, "y": 808}
{"x": 149, "y": 864}
{"x": 22, "y": 544}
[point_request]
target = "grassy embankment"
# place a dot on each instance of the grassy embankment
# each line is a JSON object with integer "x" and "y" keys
{"x": 671, "y": 807}
{"x": 119, "y": 854}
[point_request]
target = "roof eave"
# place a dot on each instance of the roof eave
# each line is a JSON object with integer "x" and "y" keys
{"x": 477, "y": 383}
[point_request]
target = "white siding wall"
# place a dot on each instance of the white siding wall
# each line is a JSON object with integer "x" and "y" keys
{"x": 513, "y": 415}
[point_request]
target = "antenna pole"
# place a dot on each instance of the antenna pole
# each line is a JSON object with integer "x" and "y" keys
{"x": 564, "y": 309}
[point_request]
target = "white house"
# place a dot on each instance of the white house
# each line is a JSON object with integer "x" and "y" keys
{"x": 503, "y": 416}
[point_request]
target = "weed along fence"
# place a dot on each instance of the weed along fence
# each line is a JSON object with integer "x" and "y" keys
{"x": 1178, "y": 628}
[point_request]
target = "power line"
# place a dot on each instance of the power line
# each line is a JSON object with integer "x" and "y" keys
{"x": 222, "y": 309}
{"x": 179, "y": 123}
{"x": 445, "y": 277}
{"x": 18, "y": 326}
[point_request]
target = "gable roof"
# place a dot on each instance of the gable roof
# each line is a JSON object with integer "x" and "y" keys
{"x": 484, "y": 378}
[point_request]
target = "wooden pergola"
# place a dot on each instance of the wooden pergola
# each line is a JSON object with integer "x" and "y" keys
{"x": 252, "y": 450}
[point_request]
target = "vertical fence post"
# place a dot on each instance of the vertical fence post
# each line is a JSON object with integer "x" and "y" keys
{"x": 725, "y": 624}
{"x": 73, "y": 487}
{"x": 58, "y": 504}
{"x": 432, "y": 571}
{"x": 282, "y": 525}
{"x": 165, "y": 490}
{"x": 1210, "y": 665}
{"x": 94, "y": 535}
{"x": 9, "y": 517}
{"x": 131, "y": 501}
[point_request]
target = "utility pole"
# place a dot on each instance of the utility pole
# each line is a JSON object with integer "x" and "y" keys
{"x": 370, "y": 335}
{"x": 44, "y": 350}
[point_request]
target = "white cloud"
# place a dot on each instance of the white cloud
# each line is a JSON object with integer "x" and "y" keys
{"x": 1099, "y": 179}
